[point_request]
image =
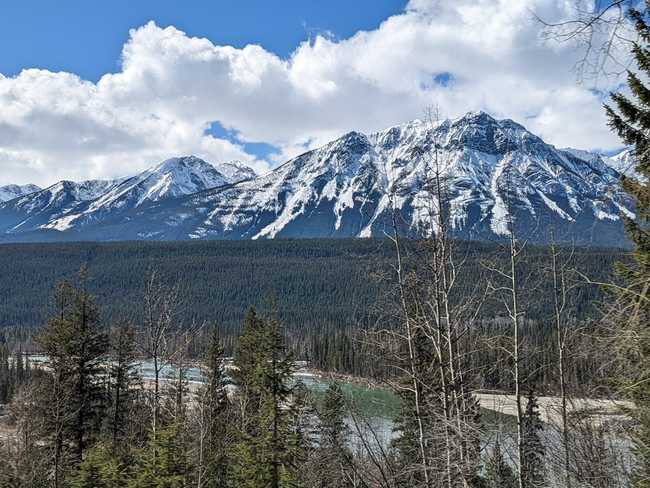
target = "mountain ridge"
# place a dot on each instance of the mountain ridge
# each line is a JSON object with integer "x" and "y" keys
{"x": 495, "y": 171}
{"x": 12, "y": 191}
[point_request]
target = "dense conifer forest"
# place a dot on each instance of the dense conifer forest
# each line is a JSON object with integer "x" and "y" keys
{"x": 318, "y": 283}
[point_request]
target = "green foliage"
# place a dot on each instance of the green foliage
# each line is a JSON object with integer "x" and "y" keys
{"x": 163, "y": 462}
{"x": 214, "y": 414}
{"x": 319, "y": 283}
{"x": 332, "y": 458}
{"x": 122, "y": 381}
{"x": 533, "y": 467}
{"x": 412, "y": 430}
{"x": 631, "y": 120}
{"x": 76, "y": 345}
{"x": 267, "y": 452}
{"x": 100, "y": 469}
{"x": 15, "y": 371}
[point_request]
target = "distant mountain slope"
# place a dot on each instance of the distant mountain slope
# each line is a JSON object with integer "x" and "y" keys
{"x": 67, "y": 205}
{"x": 625, "y": 163}
{"x": 9, "y": 192}
{"x": 38, "y": 210}
{"x": 236, "y": 171}
{"x": 496, "y": 171}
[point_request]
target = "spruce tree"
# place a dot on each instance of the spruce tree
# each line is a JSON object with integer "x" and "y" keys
{"x": 303, "y": 433}
{"x": 214, "y": 414}
{"x": 533, "y": 464}
{"x": 266, "y": 452}
{"x": 332, "y": 457}
{"x": 631, "y": 120}
{"x": 247, "y": 359}
{"x": 122, "y": 380}
{"x": 430, "y": 421}
{"x": 100, "y": 469}
{"x": 76, "y": 347}
{"x": 163, "y": 462}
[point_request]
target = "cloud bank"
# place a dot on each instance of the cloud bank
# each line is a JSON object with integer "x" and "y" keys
{"x": 462, "y": 55}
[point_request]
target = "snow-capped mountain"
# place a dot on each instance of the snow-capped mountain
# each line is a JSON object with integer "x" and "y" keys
{"x": 9, "y": 192}
{"x": 36, "y": 210}
{"x": 625, "y": 163}
{"x": 494, "y": 172}
{"x": 68, "y": 205}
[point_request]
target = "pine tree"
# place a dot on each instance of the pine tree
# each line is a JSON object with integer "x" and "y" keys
{"x": 76, "y": 347}
{"x": 632, "y": 123}
{"x": 533, "y": 464}
{"x": 498, "y": 473}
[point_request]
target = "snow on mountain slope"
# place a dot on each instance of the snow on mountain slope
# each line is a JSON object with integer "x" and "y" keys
{"x": 37, "y": 209}
{"x": 171, "y": 178}
{"x": 625, "y": 163}
{"x": 495, "y": 172}
{"x": 9, "y": 192}
{"x": 236, "y": 171}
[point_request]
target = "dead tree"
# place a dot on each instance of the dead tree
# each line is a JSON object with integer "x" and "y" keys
{"x": 159, "y": 321}
{"x": 602, "y": 34}
{"x": 561, "y": 289}
{"x": 507, "y": 287}
{"x": 429, "y": 349}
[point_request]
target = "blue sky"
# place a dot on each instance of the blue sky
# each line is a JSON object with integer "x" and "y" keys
{"x": 103, "y": 89}
{"x": 86, "y": 36}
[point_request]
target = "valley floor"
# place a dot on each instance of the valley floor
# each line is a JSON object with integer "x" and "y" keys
{"x": 598, "y": 410}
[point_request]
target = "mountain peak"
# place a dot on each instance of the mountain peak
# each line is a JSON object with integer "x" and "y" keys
{"x": 181, "y": 162}
{"x": 477, "y": 116}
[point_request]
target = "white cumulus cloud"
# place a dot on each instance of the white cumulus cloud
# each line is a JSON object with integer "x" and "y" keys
{"x": 462, "y": 55}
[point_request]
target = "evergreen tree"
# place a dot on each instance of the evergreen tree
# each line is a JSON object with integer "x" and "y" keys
{"x": 214, "y": 414}
{"x": 631, "y": 121}
{"x": 122, "y": 380}
{"x": 162, "y": 463}
{"x": 76, "y": 347}
{"x": 430, "y": 423}
{"x": 332, "y": 457}
{"x": 100, "y": 469}
{"x": 267, "y": 452}
{"x": 247, "y": 359}
{"x": 533, "y": 464}
{"x": 304, "y": 430}
{"x": 498, "y": 473}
